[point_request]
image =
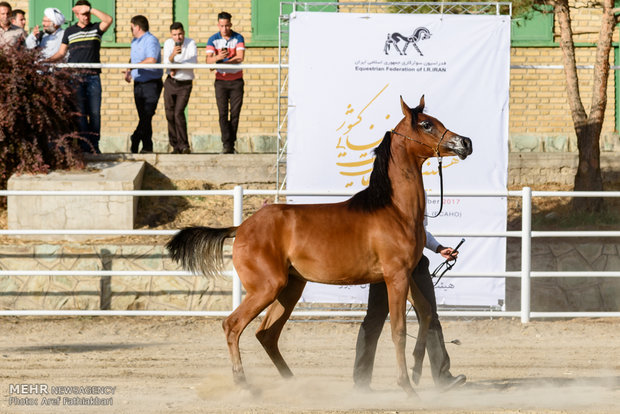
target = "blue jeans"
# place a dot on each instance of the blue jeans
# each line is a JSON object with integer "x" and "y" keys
{"x": 88, "y": 101}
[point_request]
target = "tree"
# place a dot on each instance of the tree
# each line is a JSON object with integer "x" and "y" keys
{"x": 587, "y": 126}
{"x": 37, "y": 117}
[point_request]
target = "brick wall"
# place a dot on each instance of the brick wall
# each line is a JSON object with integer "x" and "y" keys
{"x": 539, "y": 113}
{"x": 538, "y": 102}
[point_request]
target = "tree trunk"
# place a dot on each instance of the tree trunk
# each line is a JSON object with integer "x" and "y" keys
{"x": 587, "y": 127}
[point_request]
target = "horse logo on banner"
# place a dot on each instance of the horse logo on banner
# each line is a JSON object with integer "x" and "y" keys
{"x": 393, "y": 39}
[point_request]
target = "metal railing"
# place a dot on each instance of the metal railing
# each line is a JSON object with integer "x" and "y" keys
{"x": 525, "y": 274}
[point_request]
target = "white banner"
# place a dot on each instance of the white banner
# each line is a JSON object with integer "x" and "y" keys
{"x": 346, "y": 74}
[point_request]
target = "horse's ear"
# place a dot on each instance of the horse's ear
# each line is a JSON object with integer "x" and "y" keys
{"x": 404, "y": 107}
{"x": 420, "y": 108}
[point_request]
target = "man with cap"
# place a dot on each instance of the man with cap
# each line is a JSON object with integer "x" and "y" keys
{"x": 49, "y": 38}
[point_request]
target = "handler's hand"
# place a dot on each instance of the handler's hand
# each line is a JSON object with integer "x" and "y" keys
{"x": 448, "y": 253}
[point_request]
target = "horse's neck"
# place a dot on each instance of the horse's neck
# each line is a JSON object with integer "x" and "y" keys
{"x": 407, "y": 185}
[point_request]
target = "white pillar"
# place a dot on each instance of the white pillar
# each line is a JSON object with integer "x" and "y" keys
{"x": 237, "y": 219}
{"x": 526, "y": 253}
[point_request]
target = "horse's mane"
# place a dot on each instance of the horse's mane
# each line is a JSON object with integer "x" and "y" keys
{"x": 378, "y": 194}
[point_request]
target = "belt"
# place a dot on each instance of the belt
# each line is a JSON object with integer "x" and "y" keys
{"x": 149, "y": 81}
{"x": 180, "y": 82}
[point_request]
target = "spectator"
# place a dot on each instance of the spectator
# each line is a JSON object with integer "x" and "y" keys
{"x": 50, "y": 37}
{"x": 178, "y": 86}
{"x": 227, "y": 46}
{"x": 147, "y": 84}
{"x": 10, "y": 34}
{"x": 18, "y": 18}
{"x": 83, "y": 42}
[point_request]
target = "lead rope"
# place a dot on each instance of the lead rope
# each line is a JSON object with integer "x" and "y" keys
{"x": 439, "y": 161}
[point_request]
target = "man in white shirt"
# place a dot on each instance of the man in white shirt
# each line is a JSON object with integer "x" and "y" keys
{"x": 50, "y": 38}
{"x": 178, "y": 86}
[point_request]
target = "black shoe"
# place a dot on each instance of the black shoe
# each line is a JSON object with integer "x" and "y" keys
{"x": 228, "y": 151}
{"x": 146, "y": 152}
{"x": 185, "y": 151}
{"x": 362, "y": 388}
{"x": 450, "y": 383}
{"x": 176, "y": 151}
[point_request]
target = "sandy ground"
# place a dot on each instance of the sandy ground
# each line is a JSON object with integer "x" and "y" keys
{"x": 181, "y": 365}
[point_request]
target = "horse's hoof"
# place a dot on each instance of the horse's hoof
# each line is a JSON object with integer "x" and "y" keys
{"x": 411, "y": 394}
{"x": 406, "y": 386}
{"x": 240, "y": 381}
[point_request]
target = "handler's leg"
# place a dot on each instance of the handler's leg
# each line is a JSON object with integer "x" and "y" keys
{"x": 369, "y": 333}
{"x": 437, "y": 353}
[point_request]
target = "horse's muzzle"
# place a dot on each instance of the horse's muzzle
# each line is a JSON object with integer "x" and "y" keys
{"x": 461, "y": 146}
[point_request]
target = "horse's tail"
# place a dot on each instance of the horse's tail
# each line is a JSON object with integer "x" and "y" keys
{"x": 200, "y": 249}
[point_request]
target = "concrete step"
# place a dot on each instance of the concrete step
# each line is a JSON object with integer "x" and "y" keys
{"x": 218, "y": 169}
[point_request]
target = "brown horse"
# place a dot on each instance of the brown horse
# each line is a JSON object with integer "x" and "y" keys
{"x": 376, "y": 235}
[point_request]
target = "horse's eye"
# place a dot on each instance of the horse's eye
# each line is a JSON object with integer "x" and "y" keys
{"x": 426, "y": 125}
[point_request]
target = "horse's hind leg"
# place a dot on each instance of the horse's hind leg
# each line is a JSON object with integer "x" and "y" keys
{"x": 253, "y": 303}
{"x": 277, "y": 314}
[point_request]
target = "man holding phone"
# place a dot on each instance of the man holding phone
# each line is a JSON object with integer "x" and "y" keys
{"x": 227, "y": 46}
{"x": 178, "y": 86}
{"x": 48, "y": 37}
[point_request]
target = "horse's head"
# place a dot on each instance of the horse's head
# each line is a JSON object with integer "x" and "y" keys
{"x": 427, "y": 136}
{"x": 421, "y": 33}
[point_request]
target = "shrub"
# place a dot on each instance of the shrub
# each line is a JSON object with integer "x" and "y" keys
{"x": 37, "y": 117}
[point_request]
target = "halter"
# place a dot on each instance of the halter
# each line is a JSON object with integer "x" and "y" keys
{"x": 439, "y": 162}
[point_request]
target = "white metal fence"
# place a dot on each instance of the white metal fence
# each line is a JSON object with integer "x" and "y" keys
{"x": 525, "y": 274}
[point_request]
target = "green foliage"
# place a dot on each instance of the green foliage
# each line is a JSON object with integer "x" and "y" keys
{"x": 37, "y": 117}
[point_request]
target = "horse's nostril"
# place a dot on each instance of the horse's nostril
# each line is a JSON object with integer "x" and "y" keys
{"x": 467, "y": 144}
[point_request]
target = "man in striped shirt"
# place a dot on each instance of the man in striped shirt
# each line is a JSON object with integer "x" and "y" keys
{"x": 227, "y": 46}
{"x": 83, "y": 43}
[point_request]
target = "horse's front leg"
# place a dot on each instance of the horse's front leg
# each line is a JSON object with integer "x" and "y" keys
{"x": 398, "y": 287}
{"x": 423, "y": 311}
